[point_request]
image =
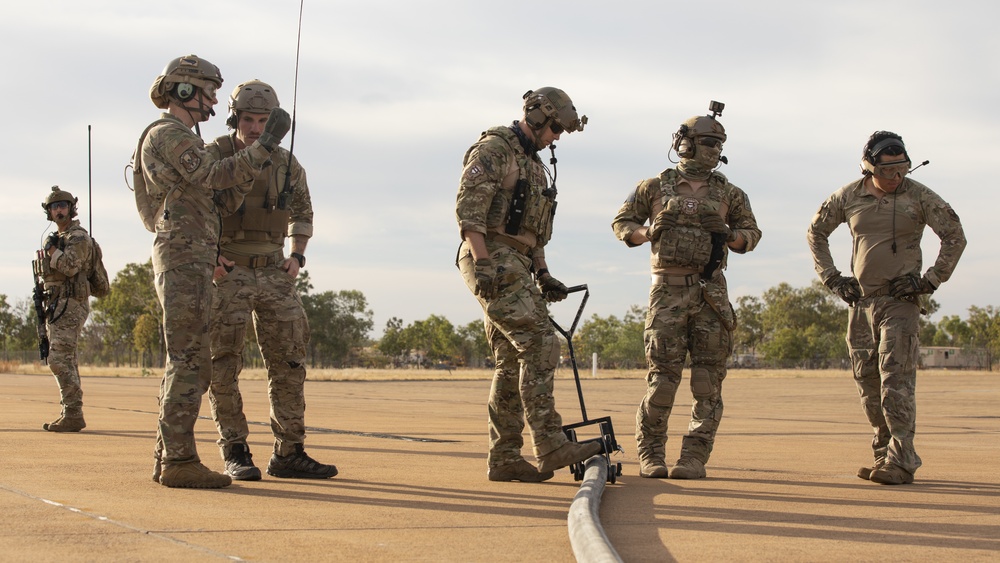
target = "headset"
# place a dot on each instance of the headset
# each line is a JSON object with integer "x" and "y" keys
{"x": 536, "y": 115}
{"x": 683, "y": 144}
{"x": 872, "y": 150}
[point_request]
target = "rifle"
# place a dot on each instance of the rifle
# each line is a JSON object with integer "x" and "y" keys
{"x": 38, "y": 296}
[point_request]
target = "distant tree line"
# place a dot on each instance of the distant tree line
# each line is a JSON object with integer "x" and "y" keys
{"x": 785, "y": 327}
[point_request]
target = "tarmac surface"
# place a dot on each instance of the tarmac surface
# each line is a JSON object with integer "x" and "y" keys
{"x": 781, "y": 484}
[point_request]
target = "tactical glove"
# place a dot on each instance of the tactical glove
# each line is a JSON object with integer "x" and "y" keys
{"x": 664, "y": 220}
{"x": 51, "y": 240}
{"x": 552, "y": 289}
{"x": 714, "y": 223}
{"x": 846, "y": 287}
{"x": 910, "y": 285}
{"x": 486, "y": 279}
{"x": 278, "y": 124}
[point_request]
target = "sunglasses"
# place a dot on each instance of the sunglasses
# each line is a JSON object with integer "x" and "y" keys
{"x": 891, "y": 169}
{"x": 59, "y": 205}
{"x": 557, "y": 129}
{"x": 710, "y": 142}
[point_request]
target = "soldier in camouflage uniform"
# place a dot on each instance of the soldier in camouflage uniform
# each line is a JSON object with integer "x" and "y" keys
{"x": 505, "y": 208}
{"x": 886, "y": 212}
{"x": 254, "y": 278}
{"x": 65, "y": 264}
{"x": 188, "y": 186}
{"x": 696, "y": 217}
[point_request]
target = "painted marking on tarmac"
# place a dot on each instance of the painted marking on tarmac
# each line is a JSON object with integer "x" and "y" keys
{"x": 106, "y": 520}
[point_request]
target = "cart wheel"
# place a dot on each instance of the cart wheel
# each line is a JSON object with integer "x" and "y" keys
{"x": 612, "y": 474}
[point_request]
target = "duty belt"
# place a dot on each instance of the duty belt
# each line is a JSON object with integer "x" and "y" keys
{"x": 509, "y": 241}
{"x": 681, "y": 280}
{"x": 258, "y": 261}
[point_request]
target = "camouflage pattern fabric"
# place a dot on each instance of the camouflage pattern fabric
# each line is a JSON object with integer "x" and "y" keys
{"x": 882, "y": 334}
{"x": 518, "y": 327}
{"x": 679, "y": 321}
{"x": 185, "y": 293}
{"x": 882, "y": 339}
{"x": 685, "y": 319}
{"x": 877, "y": 224}
{"x": 180, "y": 170}
{"x": 64, "y": 333}
{"x": 268, "y": 297}
{"x": 66, "y": 281}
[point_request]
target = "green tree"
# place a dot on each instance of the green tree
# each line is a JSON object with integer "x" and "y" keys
{"x": 984, "y": 328}
{"x": 750, "y": 323}
{"x": 339, "y": 323}
{"x": 803, "y": 326}
{"x": 115, "y": 317}
{"x": 475, "y": 350}
{"x": 435, "y": 337}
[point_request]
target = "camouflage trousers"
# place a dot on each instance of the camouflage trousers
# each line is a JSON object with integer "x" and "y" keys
{"x": 64, "y": 333}
{"x": 185, "y": 293}
{"x": 526, "y": 353}
{"x": 268, "y": 297}
{"x": 882, "y": 339}
{"x": 680, "y": 320}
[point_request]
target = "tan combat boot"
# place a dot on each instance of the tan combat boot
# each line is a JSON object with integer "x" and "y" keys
{"x": 568, "y": 454}
{"x": 520, "y": 470}
{"x": 652, "y": 468}
{"x": 688, "y": 468}
{"x": 891, "y": 474}
{"x": 866, "y": 472}
{"x": 192, "y": 475}
{"x": 66, "y": 424}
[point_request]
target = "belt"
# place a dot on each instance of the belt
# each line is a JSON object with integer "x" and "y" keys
{"x": 259, "y": 261}
{"x": 509, "y": 241}
{"x": 681, "y": 280}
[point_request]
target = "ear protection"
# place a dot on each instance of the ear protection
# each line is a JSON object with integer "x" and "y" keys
{"x": 184, "y": 91}
{"x": 683, "y": 144}
{"x": 537, "y": 114}
{"x": 872, "y": 150}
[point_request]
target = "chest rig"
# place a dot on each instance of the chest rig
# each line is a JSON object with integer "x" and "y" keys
{"x": 688, "y": 245}
{"x": 264, "y": 215}
{"x": 528, "y": 204}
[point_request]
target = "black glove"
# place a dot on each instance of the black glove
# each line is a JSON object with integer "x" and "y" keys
{"x": 910, "y": 285}
{"x": 664, "y": 220}
{"x": 846, "y": 287}
{"x": 486, "y": 279}
{"x": 714, "y": 223}
{"x": 50, "y": 241}
{"x": 552, "y": 289}
{"x": 278, "y": 124}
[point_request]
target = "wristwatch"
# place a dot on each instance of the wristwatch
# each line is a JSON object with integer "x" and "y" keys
{"x": 300, "y": 258}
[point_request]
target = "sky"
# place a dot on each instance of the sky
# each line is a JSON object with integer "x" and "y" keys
{"x": 390, "y": 94}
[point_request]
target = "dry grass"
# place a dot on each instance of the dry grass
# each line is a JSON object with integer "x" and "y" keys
{"x": 361, "y": 374}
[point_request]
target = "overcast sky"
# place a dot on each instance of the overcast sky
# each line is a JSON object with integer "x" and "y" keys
{"x": 392, "y": 93}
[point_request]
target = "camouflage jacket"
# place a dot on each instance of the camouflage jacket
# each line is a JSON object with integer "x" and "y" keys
{"x": 718, "y": 194}
{"x": 177, "y": 166}
{"x": 886, "y": 233}
{"x": 492, "y": 168}
{"x": 254, "y": 224}
{"x": 70, "y": 264}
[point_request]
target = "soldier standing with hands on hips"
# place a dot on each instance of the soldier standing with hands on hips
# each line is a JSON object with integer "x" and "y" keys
{"x": 505, "y": 208}
{"x": 65, "y": 264}
{"x": 180, "y": 190}
{"x": 696, "y": 217}
{"x": 255, "y": 280}
{"x": 886, "y": 212}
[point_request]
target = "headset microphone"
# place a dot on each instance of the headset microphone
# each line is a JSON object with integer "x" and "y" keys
{"x": 724, "y": 160}
{"x": 924, "y": 163}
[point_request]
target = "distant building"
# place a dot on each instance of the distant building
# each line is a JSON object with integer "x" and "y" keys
{"x": 951, "y": 357}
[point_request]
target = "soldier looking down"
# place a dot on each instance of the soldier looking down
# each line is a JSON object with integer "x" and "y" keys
{"x": 505, "y": 208}
{"x": 696, "y": 216}
{"x": 180, "y": 189}
{"x": 886, "y": 212}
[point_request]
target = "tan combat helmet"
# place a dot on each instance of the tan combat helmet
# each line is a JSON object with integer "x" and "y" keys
{"x": 547, "y": 105}
{"x": 687, "y": 135}
{"x": 182, "y": 78}
{"x": 252, "y": 96}
{"x": 60, "y": 195}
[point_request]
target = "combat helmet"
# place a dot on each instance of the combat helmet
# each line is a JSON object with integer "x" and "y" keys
{"x": 183, "y": 77}
{"x": 547, "y": 105}
{"x": 698, "y": 127}
{"x": 252, "y": 96}
{"x": 60, "y": 195}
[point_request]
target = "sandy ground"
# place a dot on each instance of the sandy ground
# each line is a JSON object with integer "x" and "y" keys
{"x": 413, "y": 487}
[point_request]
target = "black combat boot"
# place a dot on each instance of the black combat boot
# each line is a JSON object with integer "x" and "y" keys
{"x": 239, "y": 464}
{"x": 299, "y": 465}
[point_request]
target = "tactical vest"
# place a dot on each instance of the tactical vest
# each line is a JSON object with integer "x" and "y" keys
{"x": 687, "y": 245}
{"x": 530, "y": 205}
{"x": 59, "y": 284}
{"x": 261, "y": 218}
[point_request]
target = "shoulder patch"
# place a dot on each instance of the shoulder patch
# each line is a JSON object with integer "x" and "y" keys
{"x": 190, "y": 160}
